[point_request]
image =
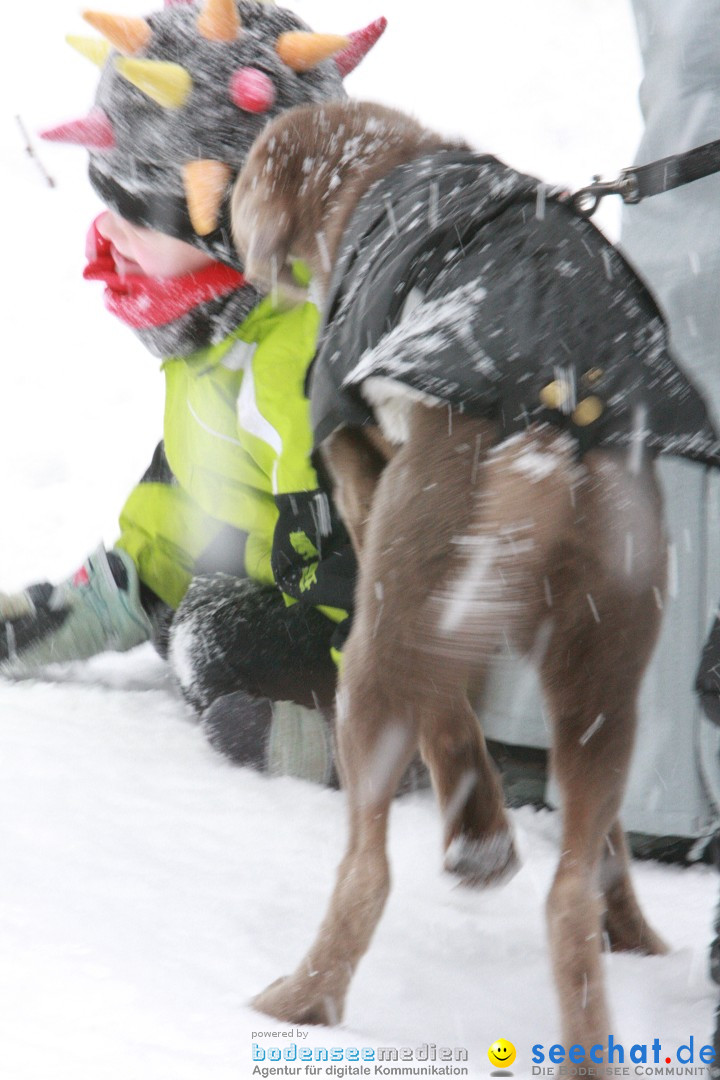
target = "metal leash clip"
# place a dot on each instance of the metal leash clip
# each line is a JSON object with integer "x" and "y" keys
{"x": 586, "y": 201}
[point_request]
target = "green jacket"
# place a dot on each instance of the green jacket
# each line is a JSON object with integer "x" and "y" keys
{"x": 237, "y": 434}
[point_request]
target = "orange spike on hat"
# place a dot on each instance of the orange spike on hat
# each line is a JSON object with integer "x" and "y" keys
{"x": 205, "y": 185}
{"x": 302, "y": 50}
{"x": 128, "y": 35}
{"x": 94, "y": 49}
{"x": 219, "y": 20}
{"x": 168, "y": 84}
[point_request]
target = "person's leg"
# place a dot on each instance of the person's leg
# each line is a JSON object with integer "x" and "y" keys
{"x": 715, "y": 969}
{"x": 673, "y": 794}
{"x": 233, "y": 634}
{"x": 259, "y": 673}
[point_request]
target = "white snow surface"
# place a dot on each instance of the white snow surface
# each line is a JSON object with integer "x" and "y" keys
{"x": 149, "y": 888}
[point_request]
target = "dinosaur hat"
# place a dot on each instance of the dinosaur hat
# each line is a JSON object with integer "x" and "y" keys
{"x": 182, "y": 95}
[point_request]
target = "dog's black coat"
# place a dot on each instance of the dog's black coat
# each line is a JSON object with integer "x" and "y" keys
{"x": 516, "y": 291}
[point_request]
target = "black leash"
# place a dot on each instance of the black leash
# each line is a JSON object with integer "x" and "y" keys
{"x": 642, "y": 181}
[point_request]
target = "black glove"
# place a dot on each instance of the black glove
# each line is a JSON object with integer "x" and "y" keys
{"x": 312, "y": 557}
{"x": 707, "y": 680}
{"x": 26, "y": 618}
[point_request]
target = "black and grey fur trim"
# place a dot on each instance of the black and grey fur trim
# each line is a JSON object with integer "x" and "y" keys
{"x": 202, "y": 326}
{"x": 230, "y": 634}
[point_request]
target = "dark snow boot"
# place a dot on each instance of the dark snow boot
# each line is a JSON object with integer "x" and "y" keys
{"x": 238, "y": 726}
{"x": 280, "y": 738}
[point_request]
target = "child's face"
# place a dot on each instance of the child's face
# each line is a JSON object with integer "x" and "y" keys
{"x": 136, "y": 250}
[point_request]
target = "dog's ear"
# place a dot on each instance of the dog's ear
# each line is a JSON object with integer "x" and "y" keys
{"x": 262, "y": 228}
{"x": 268, "y": 260}
{"x": 268, "y": 246}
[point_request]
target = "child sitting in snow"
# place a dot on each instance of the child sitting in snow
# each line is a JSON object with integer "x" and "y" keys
{"x": 181, "y": 97}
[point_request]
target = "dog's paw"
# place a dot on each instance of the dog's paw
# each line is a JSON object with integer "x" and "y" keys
{"x": 482, "y": 863}
{"x": 299, "y": 1000}
{"x": 634, "y": 935}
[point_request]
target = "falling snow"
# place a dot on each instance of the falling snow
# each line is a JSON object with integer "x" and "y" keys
{"x": 150, "y": 889}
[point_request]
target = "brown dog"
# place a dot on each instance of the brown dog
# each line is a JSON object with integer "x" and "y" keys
{"x": 467, "y": 539}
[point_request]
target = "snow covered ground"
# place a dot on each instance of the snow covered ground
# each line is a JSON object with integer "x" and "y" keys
{"x": 147, "y": 888}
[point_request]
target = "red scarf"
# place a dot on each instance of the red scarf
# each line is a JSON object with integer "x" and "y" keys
{"x": 143, "y": 302}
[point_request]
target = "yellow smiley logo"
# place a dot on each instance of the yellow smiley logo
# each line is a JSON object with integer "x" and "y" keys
{"x": 501, "y": 1053}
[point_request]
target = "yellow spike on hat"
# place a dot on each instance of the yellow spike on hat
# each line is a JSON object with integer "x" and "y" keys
{"x": 168, "y": 84}
{"x": 302, "y": 50}
{"x": 205, "y": 185}
{"x": 219, "y": 20}
{"x": 128, "y": 35}
{"x": 94, "y": 49}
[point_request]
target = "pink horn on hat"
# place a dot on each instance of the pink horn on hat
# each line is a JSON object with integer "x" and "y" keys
{"x": 94, "y": 131}
{"x": 361, "y": 42}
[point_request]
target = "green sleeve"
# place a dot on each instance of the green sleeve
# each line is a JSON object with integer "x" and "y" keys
{"x": 164, "y": 532}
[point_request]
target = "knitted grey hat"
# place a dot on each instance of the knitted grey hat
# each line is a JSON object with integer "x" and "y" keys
{"x": 182, "y": 95}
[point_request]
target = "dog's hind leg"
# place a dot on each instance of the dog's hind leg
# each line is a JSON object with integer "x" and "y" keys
{"x": 355, "y": 459}
{"x": 489, "y": 592}
{"x": 591, "y": 779}
{"x": 389, "y": 684}
{"x": 437, "y": 494}
{"x": 377, "y": 737}
{"x": 605, "y": 627}
{"x": 626, "y": 927}
{"x": 478, "y": 841}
